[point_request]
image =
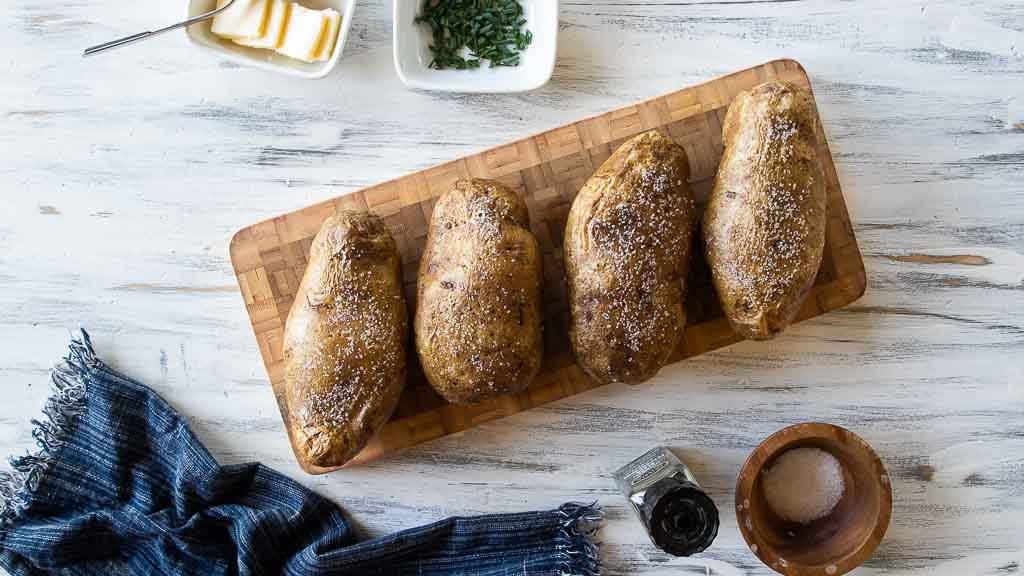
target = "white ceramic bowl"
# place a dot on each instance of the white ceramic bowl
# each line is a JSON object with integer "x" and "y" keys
{"x": 412, "y": 54}
{"x": 201, "y": 36}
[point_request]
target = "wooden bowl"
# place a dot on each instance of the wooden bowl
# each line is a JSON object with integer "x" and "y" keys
{"x": 834, "y": 544}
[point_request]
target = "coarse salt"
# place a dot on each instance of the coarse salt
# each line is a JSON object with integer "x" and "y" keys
{"x": 804, "y": 484}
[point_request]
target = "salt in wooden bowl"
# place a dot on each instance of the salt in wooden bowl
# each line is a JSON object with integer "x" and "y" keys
{"x": 836, "y": 543}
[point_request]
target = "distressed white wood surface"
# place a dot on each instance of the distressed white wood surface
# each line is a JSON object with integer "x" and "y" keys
{"x": 124, "y": 176}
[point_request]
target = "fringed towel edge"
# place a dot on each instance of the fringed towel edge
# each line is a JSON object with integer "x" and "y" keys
{"x": 60, "y": 416}
{"x": 576, "y": 544}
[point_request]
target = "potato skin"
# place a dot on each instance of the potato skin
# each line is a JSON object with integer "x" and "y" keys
{"x": 627, "y": 254}
{"x": 478, "y": 319}
{"x": 345, "y": 340}
{"x": 764, "y": 225}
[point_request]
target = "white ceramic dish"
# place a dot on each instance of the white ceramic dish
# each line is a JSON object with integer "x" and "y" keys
{"x": 201, "y": 36}
{"x": 412, "y": 54}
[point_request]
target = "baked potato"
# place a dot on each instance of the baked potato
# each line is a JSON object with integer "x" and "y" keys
{"x": 345, "y": 340}
{"x": 627, "y": 254}
{"x": 764, "y": 225}
{"x": 478, "y": 319}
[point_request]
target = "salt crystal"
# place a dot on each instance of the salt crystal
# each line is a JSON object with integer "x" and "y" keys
{"x": 804, "y": 484}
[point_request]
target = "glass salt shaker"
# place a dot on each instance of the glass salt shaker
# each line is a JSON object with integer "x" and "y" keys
{"x": 679, "y": 516}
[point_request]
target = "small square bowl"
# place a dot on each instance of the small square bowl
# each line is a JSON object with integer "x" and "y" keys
{"x": 201, "y": 36}
{"x": 412, "y": 54}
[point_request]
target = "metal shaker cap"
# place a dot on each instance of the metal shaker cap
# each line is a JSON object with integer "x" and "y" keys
{"x": 680, "y": 518}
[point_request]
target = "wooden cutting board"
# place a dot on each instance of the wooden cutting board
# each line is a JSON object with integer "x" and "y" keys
{"x": 547, "y": 169}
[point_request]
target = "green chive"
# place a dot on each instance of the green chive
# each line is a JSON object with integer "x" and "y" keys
{"x": 492, "y": 30}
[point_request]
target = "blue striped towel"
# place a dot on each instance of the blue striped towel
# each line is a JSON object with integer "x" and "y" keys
{"x": 121, "y": 486}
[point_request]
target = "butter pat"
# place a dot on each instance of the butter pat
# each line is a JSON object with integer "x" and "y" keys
{"x": 245, "y": 19}
{"x": 330, "y": 36}
{"x": 277, "y": 22}
{"x": 305, "y": 31}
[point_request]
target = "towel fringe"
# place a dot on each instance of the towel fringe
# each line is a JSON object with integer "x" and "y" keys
{"x": 580, "y": 552}
{"x": 60, "y": 414}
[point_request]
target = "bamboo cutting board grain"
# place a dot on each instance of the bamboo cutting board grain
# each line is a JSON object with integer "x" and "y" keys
{"x": 548, "y": 169}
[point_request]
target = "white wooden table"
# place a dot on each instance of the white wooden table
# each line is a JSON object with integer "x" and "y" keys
{"x": 124, "y": 176}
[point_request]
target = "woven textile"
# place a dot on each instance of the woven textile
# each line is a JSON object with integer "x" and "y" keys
{"x": 121, "y": 486}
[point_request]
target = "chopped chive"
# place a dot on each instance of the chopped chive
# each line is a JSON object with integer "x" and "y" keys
{"x": 492, "y": 30}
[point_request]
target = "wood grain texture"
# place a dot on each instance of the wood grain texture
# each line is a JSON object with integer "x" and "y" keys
{"x": 547, "y": 170}
{"x": 135, "y": 169}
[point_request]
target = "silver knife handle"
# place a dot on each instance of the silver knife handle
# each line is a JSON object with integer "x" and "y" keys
{"x": 150, "y": 33}
{"x": 119, "y": 42}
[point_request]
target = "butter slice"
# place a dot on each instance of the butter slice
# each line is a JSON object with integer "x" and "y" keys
{"x": 330, "y": 36}
{"x": 245, "y": 19}
{"x": 276, "y": 24}
{"x": 306, "y": 28}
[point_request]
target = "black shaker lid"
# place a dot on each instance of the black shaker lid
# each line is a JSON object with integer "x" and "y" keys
{"x": 681, "y": 519}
